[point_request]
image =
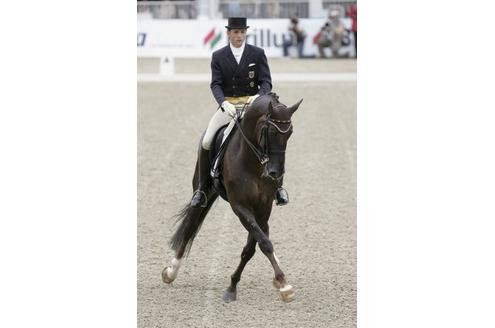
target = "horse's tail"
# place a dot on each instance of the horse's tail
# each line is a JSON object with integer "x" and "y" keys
{"x": 190, "y": 219}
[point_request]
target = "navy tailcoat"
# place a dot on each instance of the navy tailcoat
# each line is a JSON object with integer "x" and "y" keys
{"x": 229, "y": 79}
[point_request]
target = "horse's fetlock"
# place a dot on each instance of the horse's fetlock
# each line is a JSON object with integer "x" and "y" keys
{"x": 280, "y": 277}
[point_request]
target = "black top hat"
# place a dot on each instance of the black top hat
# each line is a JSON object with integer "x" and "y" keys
{"x": 237, "y": 22}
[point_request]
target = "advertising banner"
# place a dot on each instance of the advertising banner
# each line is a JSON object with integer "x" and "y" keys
{"x": 199, "y": 38}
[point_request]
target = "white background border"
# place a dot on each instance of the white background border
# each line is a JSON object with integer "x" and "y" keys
{"x": 68, "y": 167}
{"x": 425, "y": 170}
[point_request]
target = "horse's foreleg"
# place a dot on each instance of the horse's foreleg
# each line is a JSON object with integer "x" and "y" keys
{"x": 276, "y": 283}
{"x": 279, "y": 281}
{"x": 247, "y": 253}
{"x": 266, "y": 246}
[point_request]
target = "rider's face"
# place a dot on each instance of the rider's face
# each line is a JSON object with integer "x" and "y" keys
{"x": 237, "y": 36}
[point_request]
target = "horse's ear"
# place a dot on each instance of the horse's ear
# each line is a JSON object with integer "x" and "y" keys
{"x": 293, "y": 108}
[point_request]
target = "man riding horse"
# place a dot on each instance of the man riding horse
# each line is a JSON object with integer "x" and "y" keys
{"x": 239, "y": 74}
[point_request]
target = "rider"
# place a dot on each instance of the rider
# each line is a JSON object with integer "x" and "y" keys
{"x": 239, "y": 74}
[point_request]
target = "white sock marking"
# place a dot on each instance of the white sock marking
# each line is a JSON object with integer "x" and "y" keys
{"x": 285, "y": 288}
{"x": 276, "y": 258}
{"x": 172, "y": 270}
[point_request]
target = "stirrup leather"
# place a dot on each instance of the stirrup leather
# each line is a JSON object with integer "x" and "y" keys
{"x": 215, "y": 173}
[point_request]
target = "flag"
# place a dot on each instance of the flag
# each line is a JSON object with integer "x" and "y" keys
{"x": 209, "y": 36}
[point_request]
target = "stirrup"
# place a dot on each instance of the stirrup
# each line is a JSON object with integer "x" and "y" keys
{"x": 281, "y": 197}
{"x": 202, "y": 201}
{"x": 215, "y": 173}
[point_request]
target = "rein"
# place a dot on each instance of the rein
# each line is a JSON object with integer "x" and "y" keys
{"x": 263, "y": 155}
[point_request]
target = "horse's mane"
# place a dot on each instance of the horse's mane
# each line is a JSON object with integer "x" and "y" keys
{"x": 261, "y": 104}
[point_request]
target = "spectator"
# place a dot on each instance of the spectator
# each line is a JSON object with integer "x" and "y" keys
{"x": 331, "y": 36}
{"x": 296, "y": 37}
{"x": 353, "y": 14}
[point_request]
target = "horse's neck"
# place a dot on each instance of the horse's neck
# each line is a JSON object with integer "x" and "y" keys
{"x": 248, "y": 125}
{"x": 242, "y": 149}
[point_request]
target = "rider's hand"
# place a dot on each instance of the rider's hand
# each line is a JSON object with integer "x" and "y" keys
{"x": 229, "y": 108}
{"x": 252, "y": 98}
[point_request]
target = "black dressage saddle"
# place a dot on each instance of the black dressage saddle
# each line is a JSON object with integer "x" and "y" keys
{"x": 217, "y": 154}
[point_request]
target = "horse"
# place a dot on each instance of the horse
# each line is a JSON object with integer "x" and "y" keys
{"x": 253, "y": 168}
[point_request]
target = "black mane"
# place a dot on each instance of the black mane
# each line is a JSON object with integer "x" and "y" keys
{"x": 261, "y": 105}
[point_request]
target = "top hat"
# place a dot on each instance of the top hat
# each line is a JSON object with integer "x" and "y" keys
{"x": 237, "y": 22}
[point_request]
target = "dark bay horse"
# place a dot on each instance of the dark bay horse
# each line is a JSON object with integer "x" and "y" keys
{"x": 253, "y": 168}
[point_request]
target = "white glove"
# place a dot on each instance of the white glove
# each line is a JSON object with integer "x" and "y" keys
{"x": 229, "y": 108}
{"x": 252, "y": 98}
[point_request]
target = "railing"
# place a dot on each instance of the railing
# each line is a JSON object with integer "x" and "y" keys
{"x": 246, "y": 8}
{"x": 279, "y": 9}
{"x": 341, "y": 5}
{"x": 167, "y": 9}
{"x": 264, "y": 9}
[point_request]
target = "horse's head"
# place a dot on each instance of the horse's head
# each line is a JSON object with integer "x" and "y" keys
{"x": 272, "y": 131}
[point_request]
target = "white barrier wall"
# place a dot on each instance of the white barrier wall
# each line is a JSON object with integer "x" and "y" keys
{"x": 199, "y": 38}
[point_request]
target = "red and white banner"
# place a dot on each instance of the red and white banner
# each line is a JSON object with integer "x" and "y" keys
{"x": 199, "y": 38}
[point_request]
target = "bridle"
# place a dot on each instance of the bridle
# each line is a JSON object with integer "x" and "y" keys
{"x": 263, "y": 154}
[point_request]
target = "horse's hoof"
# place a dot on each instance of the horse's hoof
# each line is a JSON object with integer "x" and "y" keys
{"x": 165, "y": 276}
{"x": 229, "y": 296}
{"x": 276, "y": 283}
{"x": 287, "y": 293}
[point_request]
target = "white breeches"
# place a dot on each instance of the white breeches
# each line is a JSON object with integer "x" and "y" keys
{"x": 221, "y": 118}
{"x": 218, "y": 120}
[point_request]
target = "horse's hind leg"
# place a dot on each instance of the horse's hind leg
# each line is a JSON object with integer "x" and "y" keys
{"x": 169, "y": 273}
{"x": 247, "y": 253}
{"x": 190, "y": 219}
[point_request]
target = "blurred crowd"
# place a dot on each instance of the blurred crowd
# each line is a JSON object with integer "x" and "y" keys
{"x": 330, "y": 36}
{"x": 333, "y": 36}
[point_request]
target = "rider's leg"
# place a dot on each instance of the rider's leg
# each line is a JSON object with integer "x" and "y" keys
{"x": 199, "y": 198}
{"x": 240, "y": 109}
{"x": 219, "y": 119}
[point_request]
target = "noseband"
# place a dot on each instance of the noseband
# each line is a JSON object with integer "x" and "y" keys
{"x": 263, "y": 154}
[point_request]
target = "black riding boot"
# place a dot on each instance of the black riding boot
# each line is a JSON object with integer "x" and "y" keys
{"x": 199, "y": 198}
{"x": 282, "y": 197}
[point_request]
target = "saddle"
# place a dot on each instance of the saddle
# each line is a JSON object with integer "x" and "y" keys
{"x": 217, "y": 154}
{"x": 220, "y": 143}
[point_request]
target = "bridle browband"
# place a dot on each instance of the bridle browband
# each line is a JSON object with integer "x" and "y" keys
{"x": 272, "y": 121}
{"x": 263, "y": 155}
